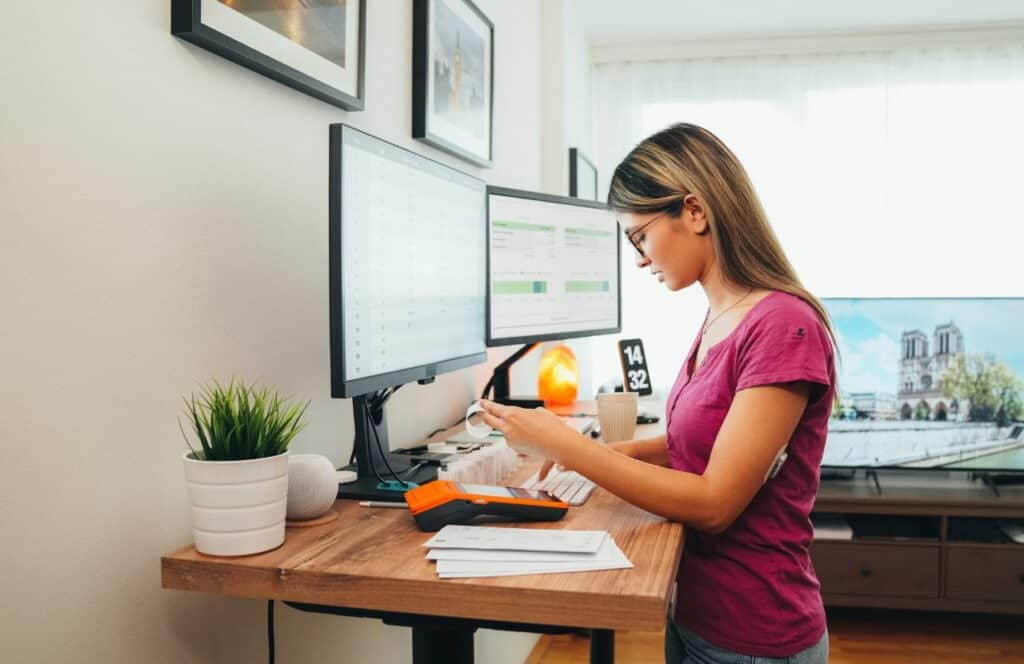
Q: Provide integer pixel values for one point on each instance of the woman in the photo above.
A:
(758, 381)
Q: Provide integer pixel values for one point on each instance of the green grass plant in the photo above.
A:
(240, 421)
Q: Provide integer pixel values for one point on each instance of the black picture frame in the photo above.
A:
(433, 121)
(582, 176)
(229, 33)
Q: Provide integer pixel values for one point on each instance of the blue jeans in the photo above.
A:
(684, 647)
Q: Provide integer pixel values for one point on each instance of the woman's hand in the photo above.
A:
(537, 431)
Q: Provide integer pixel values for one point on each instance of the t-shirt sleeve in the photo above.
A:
(786, 346)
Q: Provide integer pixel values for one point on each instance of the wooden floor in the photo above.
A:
(861, 636)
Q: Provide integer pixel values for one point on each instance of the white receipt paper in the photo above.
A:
(478, 429)
(517, 539)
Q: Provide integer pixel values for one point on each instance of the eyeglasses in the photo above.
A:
(634, 234)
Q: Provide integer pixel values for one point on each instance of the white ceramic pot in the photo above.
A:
(238, 507)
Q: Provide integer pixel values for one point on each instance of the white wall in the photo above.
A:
(164, 222)
(565, 123)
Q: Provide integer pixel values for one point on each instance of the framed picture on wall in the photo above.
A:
(453, 78)
(317, 47)
(582, 176)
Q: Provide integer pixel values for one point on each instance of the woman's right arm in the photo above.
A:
(650, 450)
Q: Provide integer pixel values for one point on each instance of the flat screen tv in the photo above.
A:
(928, 383)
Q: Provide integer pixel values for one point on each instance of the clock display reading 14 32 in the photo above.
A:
(635, 376)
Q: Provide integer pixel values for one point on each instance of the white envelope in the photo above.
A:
(470, 563)
(609, 552)
(517, 539)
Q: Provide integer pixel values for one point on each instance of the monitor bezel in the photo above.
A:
(494, 342)
(340, 387)
(934, 469)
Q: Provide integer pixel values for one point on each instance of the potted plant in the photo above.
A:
(237, 475)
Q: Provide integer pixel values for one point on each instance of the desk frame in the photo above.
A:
(437, 640)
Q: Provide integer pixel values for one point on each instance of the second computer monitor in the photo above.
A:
(553, 268)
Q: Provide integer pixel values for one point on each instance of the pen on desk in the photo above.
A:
(380, 503)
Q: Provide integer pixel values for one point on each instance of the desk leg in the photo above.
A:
(432, 645)
(602, 646)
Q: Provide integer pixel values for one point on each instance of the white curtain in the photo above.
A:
(895, 173)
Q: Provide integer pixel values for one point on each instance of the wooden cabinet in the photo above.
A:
(877, 569)
(985, 573)
(922, 543)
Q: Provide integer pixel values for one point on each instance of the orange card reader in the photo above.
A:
(441, 502)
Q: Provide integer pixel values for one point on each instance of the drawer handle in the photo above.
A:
(865, 572)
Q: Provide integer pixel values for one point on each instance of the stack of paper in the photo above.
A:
(475, 551)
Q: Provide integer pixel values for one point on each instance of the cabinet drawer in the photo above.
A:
(887, 570)
(987, 574)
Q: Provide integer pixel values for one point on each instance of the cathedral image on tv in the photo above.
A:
(928, 383)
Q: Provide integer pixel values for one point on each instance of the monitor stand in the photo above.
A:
(371, 438)
(500, 382)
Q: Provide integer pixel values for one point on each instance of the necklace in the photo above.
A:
(719, 314)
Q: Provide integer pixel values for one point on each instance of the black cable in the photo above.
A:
(378, 400)
(369, 453)
(383, 456)
(270, 631)
(373, 466)
(412, 471)
(487, 387)
(445, 428)
(374, 402)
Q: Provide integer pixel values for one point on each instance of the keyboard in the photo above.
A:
(581, 424)
(566, 485)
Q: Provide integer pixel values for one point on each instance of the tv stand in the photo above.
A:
(931, 541)
(994, 480)
(874, 475)
(833, 474)
(828, 474)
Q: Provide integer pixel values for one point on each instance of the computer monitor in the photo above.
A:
(928, 383)
(407, 280)
(553, 272)
(553, 268)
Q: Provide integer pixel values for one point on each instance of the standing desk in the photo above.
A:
(371, 563)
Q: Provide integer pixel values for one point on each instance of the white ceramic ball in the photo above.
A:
(312, 486)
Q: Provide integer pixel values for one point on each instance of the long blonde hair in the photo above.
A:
(665, 168)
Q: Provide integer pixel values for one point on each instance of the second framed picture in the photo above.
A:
(453, 78)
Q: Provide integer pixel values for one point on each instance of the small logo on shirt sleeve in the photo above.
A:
(801, 332)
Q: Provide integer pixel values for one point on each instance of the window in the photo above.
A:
(852, 155)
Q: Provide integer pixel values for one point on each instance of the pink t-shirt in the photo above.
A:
(752, 589)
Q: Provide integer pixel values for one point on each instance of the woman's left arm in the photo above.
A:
(760, 422)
